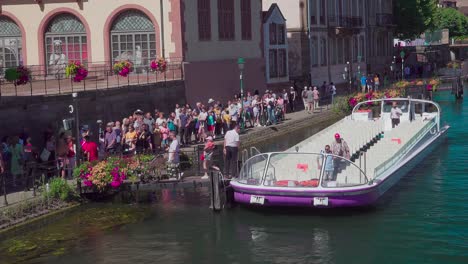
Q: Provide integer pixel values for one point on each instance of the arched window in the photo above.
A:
(65, 40)
(133, 38)
(10, 43)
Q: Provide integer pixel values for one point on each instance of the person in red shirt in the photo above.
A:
(90, 149)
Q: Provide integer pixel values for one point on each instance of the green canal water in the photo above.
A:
(423, 219)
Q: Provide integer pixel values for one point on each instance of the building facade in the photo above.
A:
(207, 36)
(275, 46)
(324, 35)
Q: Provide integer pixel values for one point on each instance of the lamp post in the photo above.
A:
(77, 129)
(240, 64)
(402, 55)
(347, 75)
(392, 67)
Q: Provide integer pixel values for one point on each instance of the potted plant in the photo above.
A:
(122, 68)
(19, 75)
(159, 65)
(77, 70)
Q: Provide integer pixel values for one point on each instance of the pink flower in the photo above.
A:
(88, 183)
(115, 184)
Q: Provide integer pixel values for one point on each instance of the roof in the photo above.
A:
(268, 13)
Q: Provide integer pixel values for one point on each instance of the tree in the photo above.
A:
(453, 20)
(413, 17)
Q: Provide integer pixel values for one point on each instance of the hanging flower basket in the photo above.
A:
(19, 75)
(77, 70)
(122, 68)
(159, 65)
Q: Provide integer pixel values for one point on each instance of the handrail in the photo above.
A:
(404, 150)
(356, 107)
(269, 154)
(254, 149)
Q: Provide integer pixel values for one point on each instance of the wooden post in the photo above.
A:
(215, 193)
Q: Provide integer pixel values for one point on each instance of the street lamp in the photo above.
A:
(392, 67)
(77, 129)
(240, 64)
(402, 55)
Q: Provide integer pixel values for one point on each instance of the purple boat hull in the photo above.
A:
(355, 197)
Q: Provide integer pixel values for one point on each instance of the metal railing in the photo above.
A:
(101, 76)
(405, 149)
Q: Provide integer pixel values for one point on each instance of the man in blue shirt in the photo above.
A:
(363, 83)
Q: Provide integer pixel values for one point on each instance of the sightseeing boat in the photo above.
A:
(380, 155)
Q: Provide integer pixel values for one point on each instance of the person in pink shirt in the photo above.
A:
(164, 130)
(208, 155)
(316, 98)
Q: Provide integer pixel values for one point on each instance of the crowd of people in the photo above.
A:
(158, 132)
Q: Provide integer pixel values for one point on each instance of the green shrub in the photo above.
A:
(341, 105)
(60, 189)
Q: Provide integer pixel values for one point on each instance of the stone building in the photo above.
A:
(206, 36)
(324, 35)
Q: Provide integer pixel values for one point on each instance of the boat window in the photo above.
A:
(293, 170)
(339, 172)
(253, 169)
(403, 105)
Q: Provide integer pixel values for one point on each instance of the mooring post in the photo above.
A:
(137, 196)
(5, 201)
(215, 197)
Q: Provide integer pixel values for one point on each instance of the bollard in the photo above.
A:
(215, 193)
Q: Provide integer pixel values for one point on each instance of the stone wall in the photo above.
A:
(38, 112)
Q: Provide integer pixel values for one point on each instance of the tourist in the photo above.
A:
(118, 133)
(256, 110)
(332, 92)
(143, 142)
(110, 140)
(286, 100)
(395, 114)
(363, 83)
(304, 98)
(182, 126)
(2, 165)
(164, 130)
(310, 100)
(231, 150)
(292, 99)
(316, 94)
(340, 147)
(71, 157)
(149, 121)
(376, 82)
(50, 147)
(157, 138)
(160, 120)
(270, 102)
(328, 166)
(90, 149)
(173, 154)
(211, 123)
(62, 152)
(202, 117)
(16, 150)
(208, 155)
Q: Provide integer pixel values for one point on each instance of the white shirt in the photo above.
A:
(174, 152)
(160, 121)
(395, 113)
(231, 139)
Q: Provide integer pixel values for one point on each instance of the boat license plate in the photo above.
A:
(320, 201)
(254, 199)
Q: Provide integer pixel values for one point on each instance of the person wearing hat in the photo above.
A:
(207, 155)
(339, 148)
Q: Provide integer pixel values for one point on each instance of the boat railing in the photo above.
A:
(409, 99)
(428, 128)
(293, 169)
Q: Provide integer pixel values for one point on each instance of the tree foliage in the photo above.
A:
(413, 17)
(453, 20)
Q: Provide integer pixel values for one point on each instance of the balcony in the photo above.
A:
(100, 77)
(384, 20)
(345, 21)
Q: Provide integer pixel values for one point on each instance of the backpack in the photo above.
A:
(304, 94)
